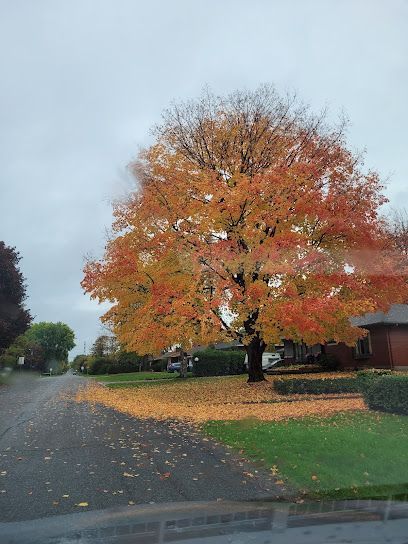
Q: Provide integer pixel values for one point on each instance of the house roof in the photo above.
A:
(228, 345)
(397, 315)
(167, 355)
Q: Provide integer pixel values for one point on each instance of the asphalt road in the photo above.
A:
(58, 456)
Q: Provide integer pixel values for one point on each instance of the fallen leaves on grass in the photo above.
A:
(212, 399)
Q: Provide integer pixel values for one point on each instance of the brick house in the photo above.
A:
(385, 346)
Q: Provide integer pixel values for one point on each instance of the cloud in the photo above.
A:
(83, 81)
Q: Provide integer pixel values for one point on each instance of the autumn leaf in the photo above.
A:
(82, 504)
(229, 399)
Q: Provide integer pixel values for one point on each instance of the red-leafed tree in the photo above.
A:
(252, 220)
(14, 317)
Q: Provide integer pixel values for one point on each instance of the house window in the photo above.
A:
(363, 347)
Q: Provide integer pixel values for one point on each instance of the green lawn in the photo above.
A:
(347, 455)
(136, 376)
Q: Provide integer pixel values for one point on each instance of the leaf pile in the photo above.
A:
(212, 399)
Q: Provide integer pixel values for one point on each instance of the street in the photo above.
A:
(59, 456)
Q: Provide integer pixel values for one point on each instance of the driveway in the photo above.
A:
(58, 456)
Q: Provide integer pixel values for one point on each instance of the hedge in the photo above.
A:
(328, 361)
(98, 365)
(317, 387)
(213, 362)
(159, 366)
(125, 362)
(387, 394)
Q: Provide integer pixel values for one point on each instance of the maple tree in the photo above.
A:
(252, 220)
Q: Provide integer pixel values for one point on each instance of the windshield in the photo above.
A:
(203, 256)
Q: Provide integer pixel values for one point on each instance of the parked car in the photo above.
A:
(269, 360)
(175, 367)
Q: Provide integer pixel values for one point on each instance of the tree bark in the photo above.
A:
(184, 365)
(254, 351)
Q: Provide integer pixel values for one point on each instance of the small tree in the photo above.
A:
(252, 221)
(105, 345)
(79, 361)
(56, 339)
(14, 318)
(23, 346)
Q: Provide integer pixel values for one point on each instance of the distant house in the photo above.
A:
(174, 355)
(168, 357)
(385, 346)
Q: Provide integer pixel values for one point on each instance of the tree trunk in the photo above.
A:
(254, 351)
(184, 365)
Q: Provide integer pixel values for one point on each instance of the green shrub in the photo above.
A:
(212, 362)
(387, 394)
(99, 365)
(316, 387)
(159, 366)
(126, 361)
(328, 361)
(118, 364)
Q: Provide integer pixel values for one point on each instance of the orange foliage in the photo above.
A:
(291, 249)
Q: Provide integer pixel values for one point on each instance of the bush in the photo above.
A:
(159, 366)
(126, 361)
(121, 363)
(328, 361)
(99, 365)
(317, 387)
(212, 362)
(387, 394)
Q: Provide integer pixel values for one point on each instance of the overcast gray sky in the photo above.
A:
(82, 81)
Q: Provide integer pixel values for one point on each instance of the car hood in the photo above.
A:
(221, 522)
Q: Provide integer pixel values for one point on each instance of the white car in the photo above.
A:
(269, 360)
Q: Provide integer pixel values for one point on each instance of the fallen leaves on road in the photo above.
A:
(83, 504)
(215, 399)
